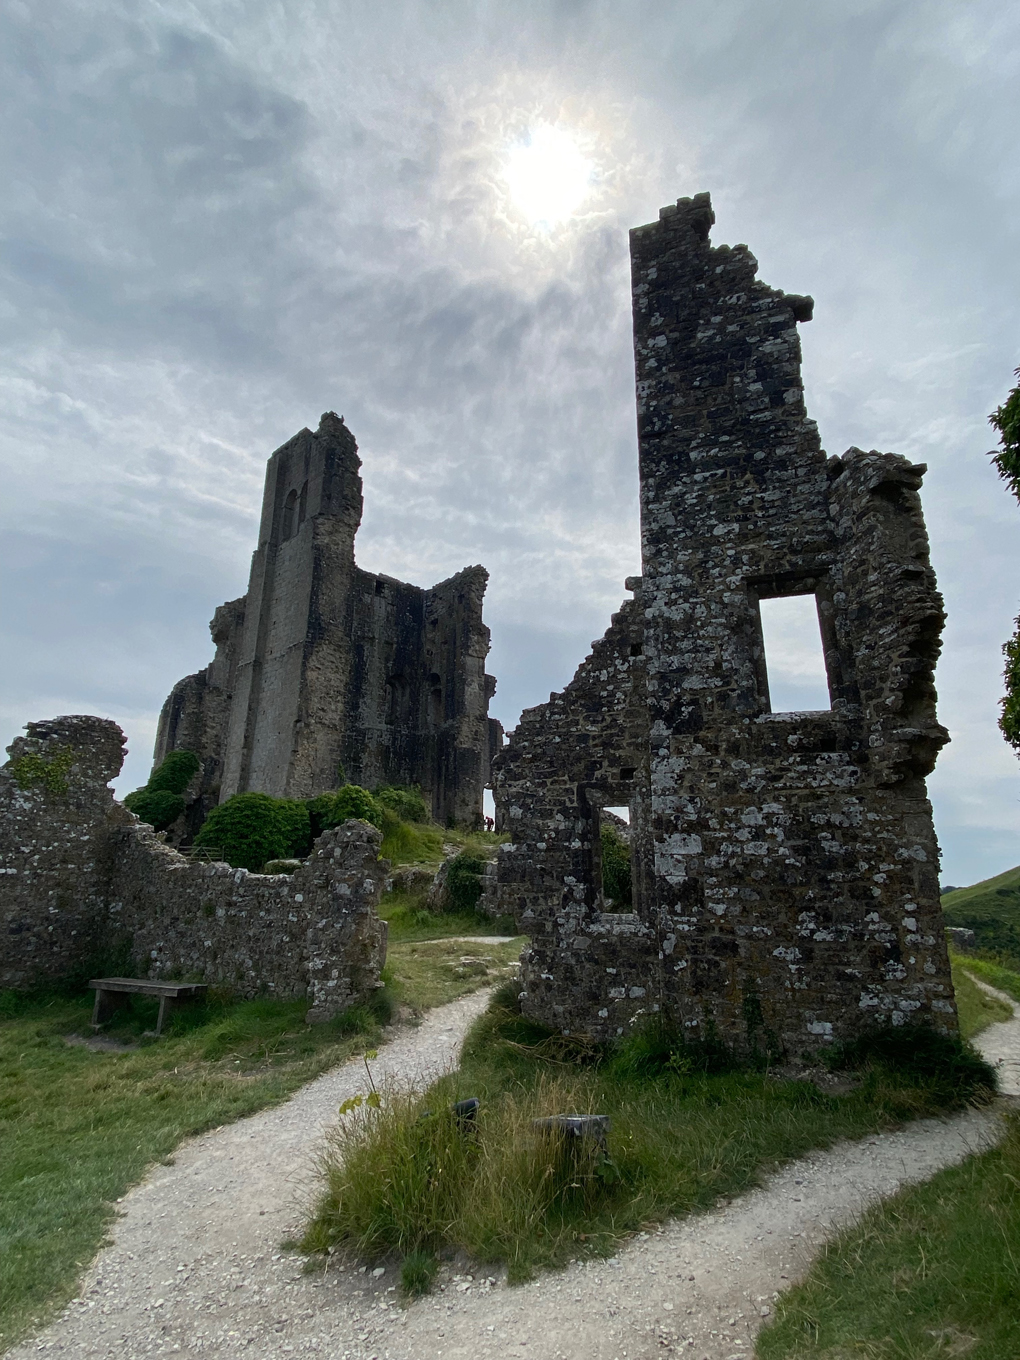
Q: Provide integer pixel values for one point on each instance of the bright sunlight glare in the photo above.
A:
(548, 176)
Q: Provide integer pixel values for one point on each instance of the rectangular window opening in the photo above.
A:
(794, 658)
(614, 859)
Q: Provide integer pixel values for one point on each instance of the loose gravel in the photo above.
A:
(195, 1268)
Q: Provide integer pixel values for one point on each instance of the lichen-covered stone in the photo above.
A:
(81, 879)
(785, 867)
(322, 667)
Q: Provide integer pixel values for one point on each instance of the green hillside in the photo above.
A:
(991, 909)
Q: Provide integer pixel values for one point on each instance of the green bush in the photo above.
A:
(159, 801)
(175, 772)
(249, 829)
(159, 807)
(297, 827)
(616, 882)
(330, 809)
(464, 883)
(407, 803)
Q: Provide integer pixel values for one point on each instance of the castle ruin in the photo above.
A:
(324, 671)
(784, 864)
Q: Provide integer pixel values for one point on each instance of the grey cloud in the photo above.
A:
(220, 225)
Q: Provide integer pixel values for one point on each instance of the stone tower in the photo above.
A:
(323, 668)
(785, 866)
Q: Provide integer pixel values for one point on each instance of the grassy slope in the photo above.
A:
(431, 972)
(678, 1140)
(79, 1127)
(992, 910)
(976, 1009)
(935, 1271)
(997, 897)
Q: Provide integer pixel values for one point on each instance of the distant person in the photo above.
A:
(489, 823)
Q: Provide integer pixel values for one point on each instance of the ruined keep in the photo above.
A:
(323, 667)
(784, 865)
(86, 886)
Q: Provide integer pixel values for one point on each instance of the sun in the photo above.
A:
(548, 176)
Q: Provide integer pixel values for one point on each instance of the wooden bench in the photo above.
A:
(113, 994)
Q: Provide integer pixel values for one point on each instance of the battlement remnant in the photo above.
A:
(322, 666)
(784, 865)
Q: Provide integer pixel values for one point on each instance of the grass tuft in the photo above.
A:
(402, 1180)
(418, 1271)
(943, 1065)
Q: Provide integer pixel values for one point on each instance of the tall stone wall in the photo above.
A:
(785, 864)
(83, 882)
(323, 666)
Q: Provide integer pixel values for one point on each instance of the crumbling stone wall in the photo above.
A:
(323, 666)
(81, 878)
(785, 864)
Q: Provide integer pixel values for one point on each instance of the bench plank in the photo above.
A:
(146, 987)
(112, 994)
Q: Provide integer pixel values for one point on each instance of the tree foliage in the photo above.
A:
(159, 802)
(616, 881)
(1006, 419)
(251, 828)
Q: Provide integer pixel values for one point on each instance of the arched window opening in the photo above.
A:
(287, 527)
(396, 700)
(302, 505)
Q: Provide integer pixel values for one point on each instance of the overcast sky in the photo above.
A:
(222, 219)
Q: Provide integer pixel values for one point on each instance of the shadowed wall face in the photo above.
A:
(785, 864)
(88, 889)
(324, 671)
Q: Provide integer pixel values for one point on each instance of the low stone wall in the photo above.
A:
(81, 877)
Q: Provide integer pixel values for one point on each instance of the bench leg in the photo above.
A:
(166, 1006)
(107, 1005)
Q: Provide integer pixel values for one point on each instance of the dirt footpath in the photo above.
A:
(195, 1268)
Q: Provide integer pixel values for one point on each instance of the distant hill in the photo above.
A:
(991, 909)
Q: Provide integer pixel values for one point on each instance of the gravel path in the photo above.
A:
(1000, 1044)
(195, 1269)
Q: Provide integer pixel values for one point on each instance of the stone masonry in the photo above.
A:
(785, 866)
(323, 667)
(84, 885)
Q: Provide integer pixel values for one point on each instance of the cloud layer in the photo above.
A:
(224, 219)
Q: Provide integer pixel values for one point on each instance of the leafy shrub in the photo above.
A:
(159, 807)
(616, 881)
(159, 801)
(464, 883)
(250, 829)
(330, 809)
(175, 772)
(407, 803)
(297, 827)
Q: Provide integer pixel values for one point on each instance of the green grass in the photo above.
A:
(975, 1008)
(1006, 979)
(932, 1272)
(79, 1127)
(428, 973)
(992, 910)
(409, 919)
(404, 1182)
